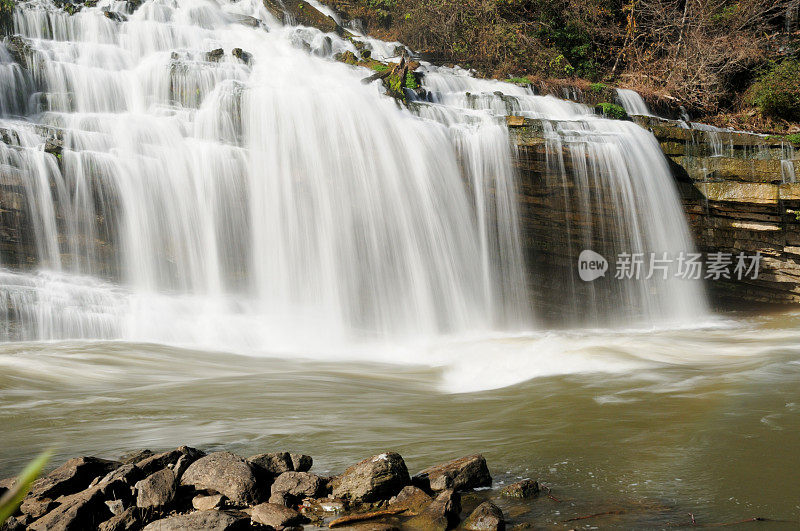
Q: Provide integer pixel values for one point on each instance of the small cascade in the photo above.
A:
(632, 102)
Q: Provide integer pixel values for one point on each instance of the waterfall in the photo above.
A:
(179, 191)
(632, 102)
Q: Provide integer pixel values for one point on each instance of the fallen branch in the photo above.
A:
(694, 523)
(364, 516)
(595, 515)
(550, 495)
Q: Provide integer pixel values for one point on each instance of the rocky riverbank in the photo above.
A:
(186, 488)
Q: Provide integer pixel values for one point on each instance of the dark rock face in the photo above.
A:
(460, 474)
(128, 474)
(155, 462)
(157, 490)
(208, 520)
(443, 513)
(521, 489)
(301, 462)
(214, 56)
(291, 487)
(14, 524)
(36, 507)
(71, 477)
(243, 56)
(85, 510)
(376, 478)
(225, 473)
(487, 516)
(274, 464)
(412, 499)
(303, 13)
(125, 521)
(276, 516)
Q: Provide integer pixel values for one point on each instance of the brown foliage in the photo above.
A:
(698, 50)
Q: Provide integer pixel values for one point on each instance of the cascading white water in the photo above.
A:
(632, 102)
(271, 200)
(615, 167)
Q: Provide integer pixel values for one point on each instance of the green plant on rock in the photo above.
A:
(411, 81)
(776, 92)
(598, 87)
(794, 139)
(612, 110)
(518, 80)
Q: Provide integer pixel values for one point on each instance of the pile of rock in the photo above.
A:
(188, 489)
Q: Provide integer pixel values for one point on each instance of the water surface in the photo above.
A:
(654, 423)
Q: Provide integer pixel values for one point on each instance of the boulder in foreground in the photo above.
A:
(443, 513)
(225, 473)
(486, 517)
(207, 520)
(376, 478)
(521, 489)
(461, 474)
(276, 516)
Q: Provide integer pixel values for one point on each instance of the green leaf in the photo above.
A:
(13, 498)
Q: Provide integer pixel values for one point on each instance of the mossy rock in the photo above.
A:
(612, 110)
(303, 13)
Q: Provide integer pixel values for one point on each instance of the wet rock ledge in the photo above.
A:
(186, 488)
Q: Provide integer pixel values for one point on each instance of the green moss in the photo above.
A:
(379, 67)
(794, 139)
(612, 110)
(598, 87)
(519, 80)
(411, 81)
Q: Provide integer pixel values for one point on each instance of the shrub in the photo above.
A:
(777, 90)
(612, 110)
(597, 87)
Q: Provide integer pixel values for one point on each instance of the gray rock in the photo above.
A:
(276, 516)
(135, 457)
(486, 517)
(14, 524)
(443, 513)
(243, 56)
(206, 503)
(301, 462)
(182, 464)
(157, 490)
(247, 20)
(214, 56)
(115, 506)
(169, 459)
(73, 476)
(460, 474)
(376, 478)
(291, 487)
(85, 510)
(521, 489)
(225, 473)
(36, 507)
(274, 464)
(412, 499)
(207, 520)
(127, 473)
(125, 521)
